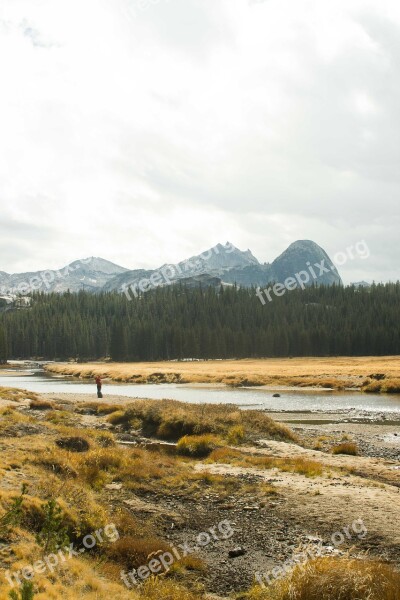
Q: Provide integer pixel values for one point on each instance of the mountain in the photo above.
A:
(89, 274)
(215, 262)
(223, 264)
(303, 258)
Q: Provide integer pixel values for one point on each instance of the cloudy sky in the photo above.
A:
(145, 131)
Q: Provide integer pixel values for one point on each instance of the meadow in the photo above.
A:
(369, 374)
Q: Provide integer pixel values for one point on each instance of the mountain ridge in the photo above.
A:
(223, 261)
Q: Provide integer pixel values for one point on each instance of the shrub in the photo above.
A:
(170, 420)
(105, 439)
(334, 579)
(13, 514)
(117, 418)
(53, 533)
(57, 462)
(26, 592)
(346, 448)
(371, 387)
(392, 386)
(73, 444)
(161, 589)
(197, 446)
(61, 417)
(133, 552)
(235, 435)
(41, 405)
(100, 408)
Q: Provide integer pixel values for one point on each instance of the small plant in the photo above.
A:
(13, 515)
(53, 533)
(197, 446)
(346, 448)
(371, 387)
(330, 578)
(26, 592)
(41, 405)
(392, 386)
(235, 435)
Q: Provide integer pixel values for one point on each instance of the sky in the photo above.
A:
(146, 131)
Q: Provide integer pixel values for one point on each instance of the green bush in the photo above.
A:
(26, 592)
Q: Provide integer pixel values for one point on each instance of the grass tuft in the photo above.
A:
(197, 446)
(41, 405)
(349, 448)
(334, 579)
(172, 420)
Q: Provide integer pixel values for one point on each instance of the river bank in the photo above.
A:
(369, 374)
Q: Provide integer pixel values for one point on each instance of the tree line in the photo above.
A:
(178, 322)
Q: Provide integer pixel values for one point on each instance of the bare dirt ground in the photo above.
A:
(337, 497)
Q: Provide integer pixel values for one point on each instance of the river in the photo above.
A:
(261, 398)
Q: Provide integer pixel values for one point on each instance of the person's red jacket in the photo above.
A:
(98, 380)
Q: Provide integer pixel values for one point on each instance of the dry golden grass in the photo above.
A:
(334, 579)
(16, 395)
(198, 446)
(158, 589)
(132, 551)
(140, 471)
(85, 509)
(10, 417)
(335, 372)
(100, 408)
(390, 386)
(41, 404)
(77, 481)
(170, 420)
(309, 468)
(349, 448)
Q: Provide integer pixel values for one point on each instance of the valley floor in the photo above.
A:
(274, 495)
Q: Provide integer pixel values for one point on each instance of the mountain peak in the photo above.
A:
(98, 265)
(303, 255)
(223, 261)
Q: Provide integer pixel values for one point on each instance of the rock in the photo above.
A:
(74, 444)
(113, 486)
(313, 539)
(87, 411)
(276, 396)
(139, 506)
(239, 551)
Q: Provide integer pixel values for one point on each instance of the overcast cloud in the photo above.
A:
(145, 132)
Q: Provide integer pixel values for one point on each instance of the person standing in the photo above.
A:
(99, 384)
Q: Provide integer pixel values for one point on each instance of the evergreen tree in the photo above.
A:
(3, 347)
(178, 322)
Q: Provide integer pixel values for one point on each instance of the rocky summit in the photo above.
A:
(221, 264)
